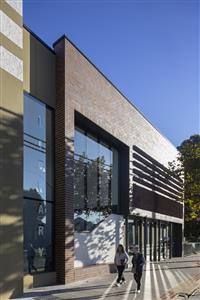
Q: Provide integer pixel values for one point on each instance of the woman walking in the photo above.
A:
(121, 258)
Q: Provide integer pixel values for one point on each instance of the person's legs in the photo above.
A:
(120, 270)
(119, 274)
(122, 276)
(30, 264)
(139, 276)
(136, 278)
(29, 267)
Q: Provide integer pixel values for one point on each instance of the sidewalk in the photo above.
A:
(163, 280)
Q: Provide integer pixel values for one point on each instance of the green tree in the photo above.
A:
(189, 157)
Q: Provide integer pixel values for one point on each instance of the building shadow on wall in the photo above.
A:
(97, 246)
(11, 233)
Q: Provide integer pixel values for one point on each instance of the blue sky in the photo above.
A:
(148, 49)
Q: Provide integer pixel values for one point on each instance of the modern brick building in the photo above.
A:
(81, 168)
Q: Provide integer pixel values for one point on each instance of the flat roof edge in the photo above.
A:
(112, 84)
(38, 38)
(74, 45)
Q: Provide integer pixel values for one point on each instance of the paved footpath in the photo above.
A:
(163, 280)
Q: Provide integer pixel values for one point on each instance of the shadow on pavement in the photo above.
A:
(111, 294)
(61, 291)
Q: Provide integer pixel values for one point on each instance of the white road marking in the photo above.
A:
(128, 290)
(172, 278)
(178, 275)
(147, 285)
(155, 282)
(162, 278)
(184, 276)
(108, 290)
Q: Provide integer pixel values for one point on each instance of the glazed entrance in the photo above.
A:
(154, 237)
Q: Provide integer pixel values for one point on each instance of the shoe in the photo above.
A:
(123, 282)
(138, 291)
(117, 284)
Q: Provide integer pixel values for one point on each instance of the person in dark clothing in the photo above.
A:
(31, 258)
(138, 262)
(121, 258)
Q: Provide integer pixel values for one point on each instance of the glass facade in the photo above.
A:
(38, 186)
(152, 236)
(93, 181)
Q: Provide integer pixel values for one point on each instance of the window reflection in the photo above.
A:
(80, 143)
(38, 158)
(92, 148)
(92, 184)
(38, 186)
(34, 173)
(37, 236)
(79, 182)
(34, 118)
(105, 188)
(87, 220)
(93, 180)
(105, 155)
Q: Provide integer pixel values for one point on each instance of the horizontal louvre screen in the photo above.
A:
(153, 188)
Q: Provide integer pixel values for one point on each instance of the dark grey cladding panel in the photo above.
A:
(151, 201)
(86, 124)
(154, 188)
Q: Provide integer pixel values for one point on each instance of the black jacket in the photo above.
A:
(138, 262)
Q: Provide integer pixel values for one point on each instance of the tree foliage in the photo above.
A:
(190, 159)
(188, 163)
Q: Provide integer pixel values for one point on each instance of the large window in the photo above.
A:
(38, 186)
(94, 187)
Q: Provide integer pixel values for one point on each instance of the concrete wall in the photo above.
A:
(99, 246)
(32, 69)
(11, 149)
(39, 69)
(39, 81)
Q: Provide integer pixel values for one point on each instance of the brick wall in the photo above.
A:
(64, 212)
(92, 95)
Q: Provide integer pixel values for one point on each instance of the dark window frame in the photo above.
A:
(101, 142)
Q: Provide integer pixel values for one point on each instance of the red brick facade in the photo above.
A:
(64, 212)
(84, 89)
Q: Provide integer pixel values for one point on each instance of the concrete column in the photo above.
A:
(171, 240)
(145, 237)
(155, 242)
(126, 234)
(150, 239)
(11, 148)
(159, 248)
(140, 234)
